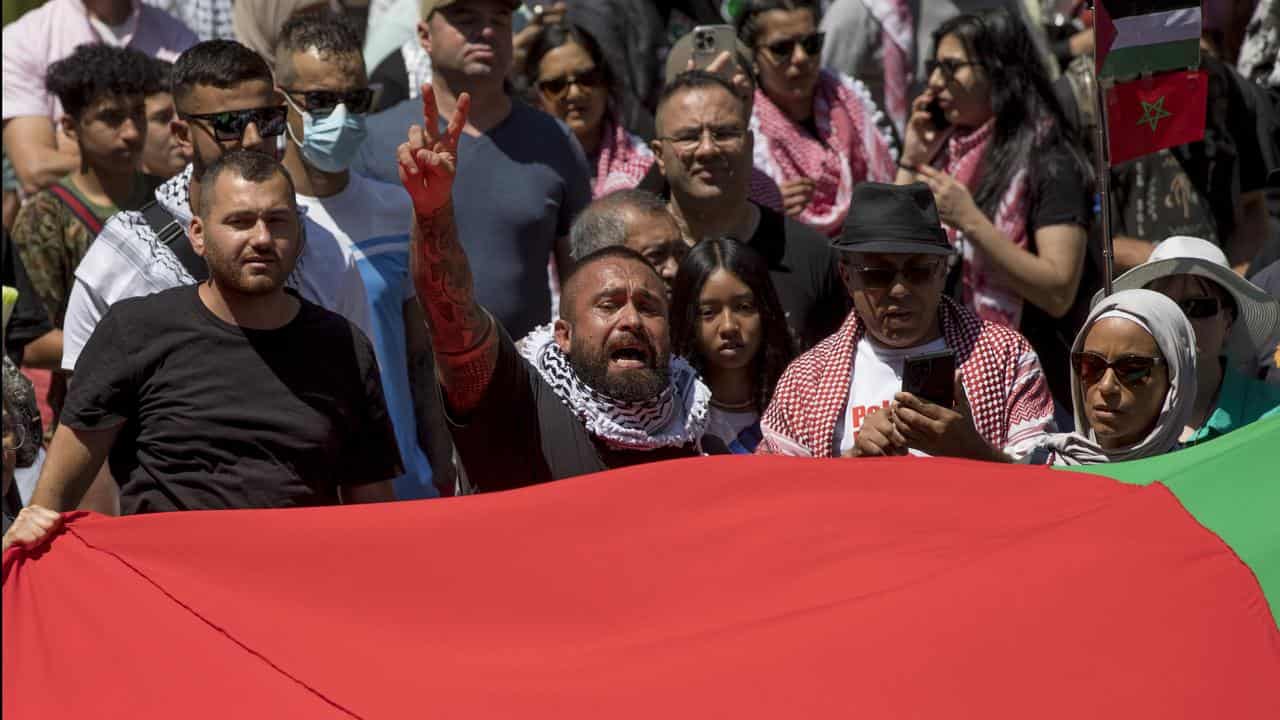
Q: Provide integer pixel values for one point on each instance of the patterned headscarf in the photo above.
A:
(674, 418)
(624, 159)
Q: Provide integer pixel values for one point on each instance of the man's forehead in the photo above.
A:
(695, 106)
(112, 101)
(327, 70)
(241, 96)
(233, 193)
(613, 274)
(656, 225)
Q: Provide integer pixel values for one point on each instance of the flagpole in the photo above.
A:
(1103, 161)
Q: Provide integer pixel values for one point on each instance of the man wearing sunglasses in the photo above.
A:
(225, 101)
(522, 178)
(842, 398)
(321, 73)
(1235, 322)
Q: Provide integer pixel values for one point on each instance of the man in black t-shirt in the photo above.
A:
(234, 393)
(709, 180)
(595, 390)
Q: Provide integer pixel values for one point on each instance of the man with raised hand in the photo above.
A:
(597, 390)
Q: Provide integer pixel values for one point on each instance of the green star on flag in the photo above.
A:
(1153, 113)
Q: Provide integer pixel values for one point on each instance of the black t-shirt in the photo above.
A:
(1061, 194)
(28, 320)
(803, 268)
(218, 416)
(522, 434)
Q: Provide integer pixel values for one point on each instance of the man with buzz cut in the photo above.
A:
(232, 393)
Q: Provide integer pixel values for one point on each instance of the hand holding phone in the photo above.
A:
(931, 377)
(926, 132)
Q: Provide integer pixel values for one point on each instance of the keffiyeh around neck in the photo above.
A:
(1164, 320)
(675, 417)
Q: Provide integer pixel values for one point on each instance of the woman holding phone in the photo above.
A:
(817, 132)
(989, 138)
(727, 322)
(571, 81)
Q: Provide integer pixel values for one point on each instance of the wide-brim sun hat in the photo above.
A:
(1257, 322)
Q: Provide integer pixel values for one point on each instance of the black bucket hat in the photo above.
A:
(886, 218)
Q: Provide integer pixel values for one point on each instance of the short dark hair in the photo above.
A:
(328, 35)
(92, 72)
(697, 80)
(603, 223)
(778, 348)
(747, 22)
(248, 165)
(216, 63)
(159, 74)
(568, 292)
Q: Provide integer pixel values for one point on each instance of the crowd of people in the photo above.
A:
(276, 254)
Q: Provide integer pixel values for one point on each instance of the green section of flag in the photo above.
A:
(1231, 485)
(1133, 61)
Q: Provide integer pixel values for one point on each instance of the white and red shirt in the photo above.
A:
(871, 389)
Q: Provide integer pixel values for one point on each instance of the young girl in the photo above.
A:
(727, 322)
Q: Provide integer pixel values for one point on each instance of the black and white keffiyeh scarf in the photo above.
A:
(675, 417)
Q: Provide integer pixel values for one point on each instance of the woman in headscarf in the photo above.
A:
(1133, 382)
(257, 23)
(817, 132)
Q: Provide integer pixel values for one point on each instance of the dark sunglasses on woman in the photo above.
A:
(783, 50)
(557, 86)
(948, 66)
(1131, 370)
(323, 102)
(1199, 308)
(229, 125)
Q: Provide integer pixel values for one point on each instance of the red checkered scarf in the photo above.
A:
(986, 289)
(849, 149)
(1007, 393)
(624, 159)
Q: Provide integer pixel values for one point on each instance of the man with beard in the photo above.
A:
(210, 396)
(596, 390)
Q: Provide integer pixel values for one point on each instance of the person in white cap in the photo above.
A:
(1234, 321)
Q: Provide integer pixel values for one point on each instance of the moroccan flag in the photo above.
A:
(725, 587)
(1153, 113)
(1145, 36)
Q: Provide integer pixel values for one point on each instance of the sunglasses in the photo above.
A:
(323, 102)
(948, 66)
(229, 125)
(783, 50)
(557, 86)
(1199, 308)
(883, 277)
(1130, 370)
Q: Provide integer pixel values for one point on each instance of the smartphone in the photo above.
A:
(937, 116)
(931, 376)
(711, 40)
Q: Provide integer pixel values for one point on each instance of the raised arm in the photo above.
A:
(462, 332)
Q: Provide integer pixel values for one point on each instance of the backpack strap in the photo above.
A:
(77, 208)
(170, 232)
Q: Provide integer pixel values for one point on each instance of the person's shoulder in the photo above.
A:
(154, 310)
(539, 128)
(32, 24)
(173, 30)
(331, 330)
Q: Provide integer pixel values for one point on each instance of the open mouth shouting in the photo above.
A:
(631, 354)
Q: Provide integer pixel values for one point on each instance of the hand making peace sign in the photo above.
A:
(429, 160)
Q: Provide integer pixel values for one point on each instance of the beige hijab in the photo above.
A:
(257, 23)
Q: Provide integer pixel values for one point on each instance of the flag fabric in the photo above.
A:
(743, 587)
(1145, 36)
(1153, 113)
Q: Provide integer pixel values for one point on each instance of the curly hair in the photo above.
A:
(92, 72)
(778, 348)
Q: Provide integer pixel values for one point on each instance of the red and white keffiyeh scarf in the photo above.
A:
(623, 161)
(1008, 395)
(985, 287)
(850, 149)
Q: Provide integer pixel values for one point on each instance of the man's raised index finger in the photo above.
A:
(460, 113)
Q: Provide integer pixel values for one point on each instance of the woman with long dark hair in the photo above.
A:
(989, 138)
(570, 79)
(727, 322)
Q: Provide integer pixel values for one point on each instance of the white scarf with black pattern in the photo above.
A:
(675, 417)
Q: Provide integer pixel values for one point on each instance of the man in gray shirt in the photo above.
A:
(522, 177)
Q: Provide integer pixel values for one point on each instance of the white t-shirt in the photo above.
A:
(877, 375)
(371, 220)
(126, 261)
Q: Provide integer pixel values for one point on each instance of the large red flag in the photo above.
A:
(1156, 112)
